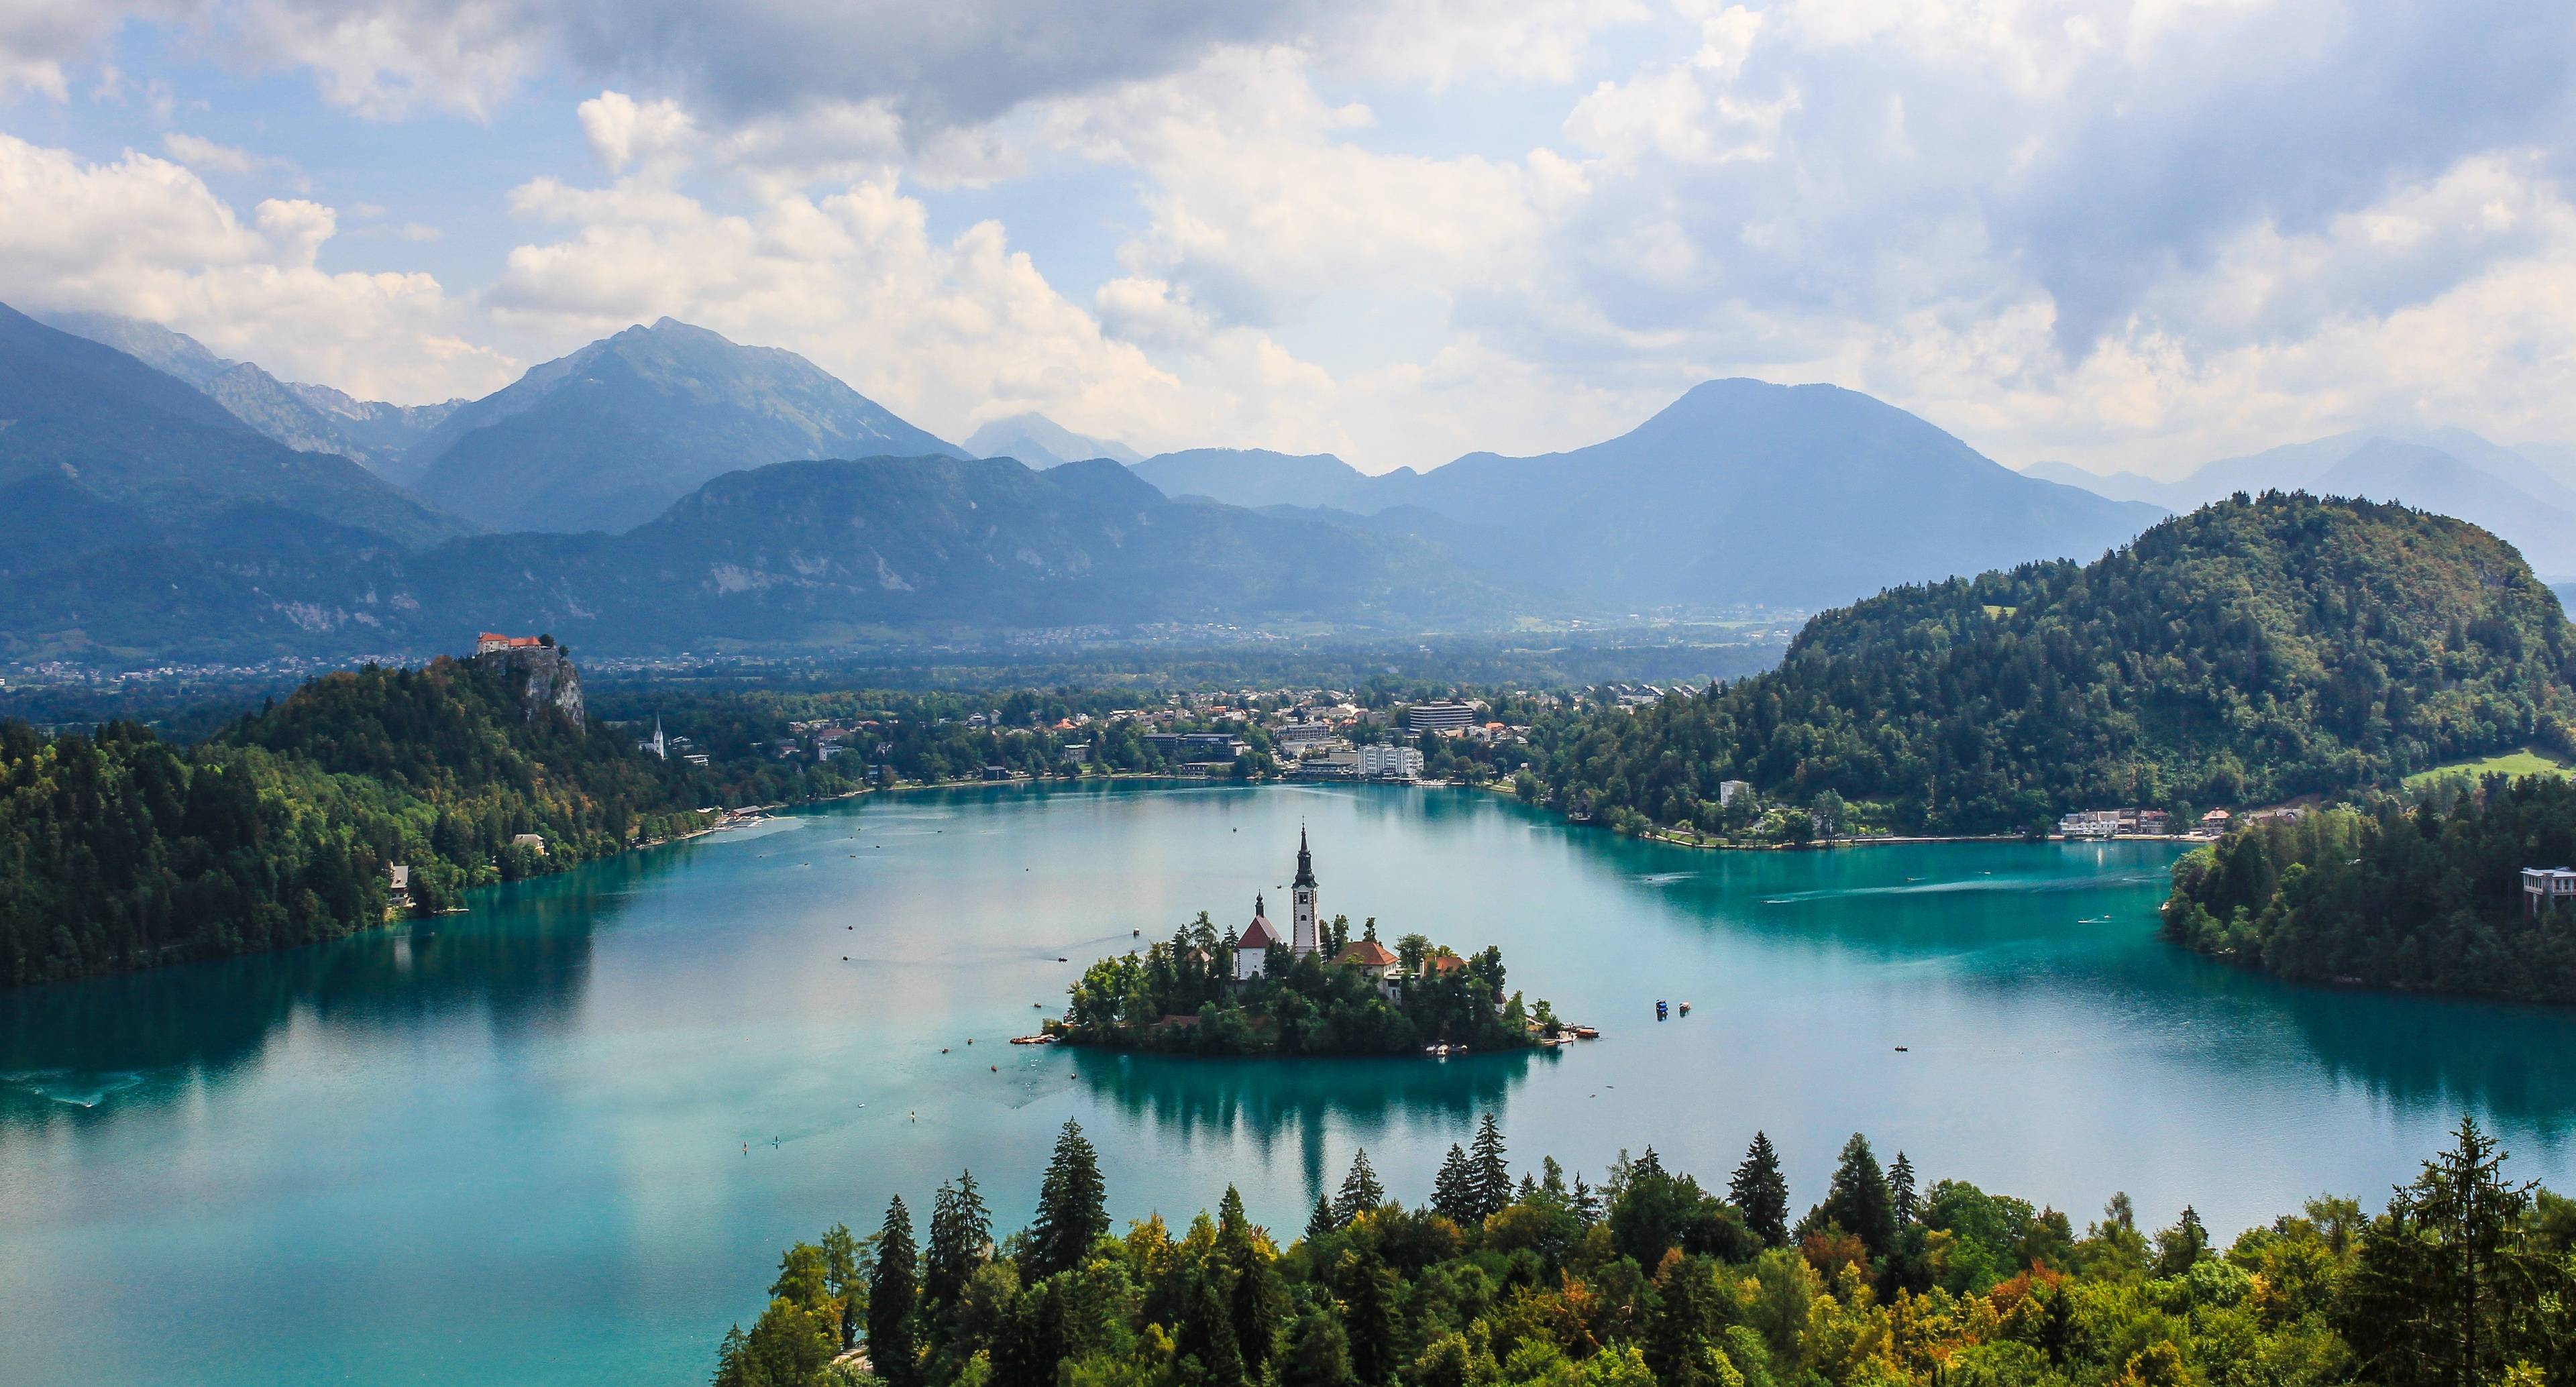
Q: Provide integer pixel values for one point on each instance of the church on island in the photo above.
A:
(1305, 935)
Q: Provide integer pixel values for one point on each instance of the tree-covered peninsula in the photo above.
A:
(1348, 997)
(119, 850)
(1653, 1278)
(2252, 650)
(2390, 895)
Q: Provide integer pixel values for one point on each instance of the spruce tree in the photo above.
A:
(1323, 1220)
(2449, 1286)
(1761, 1193)
(961, 1231)
(1493, 1178)
(1900, 1192)
(1258, 1303)
(1361, 1193)
(1858, 1199)
(893, 1293)
(1586, 1202)
(1073, 1210)
(1207, 1332)
(1453, 1190)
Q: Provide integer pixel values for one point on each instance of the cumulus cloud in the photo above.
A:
(146, 238)
(2125, 231)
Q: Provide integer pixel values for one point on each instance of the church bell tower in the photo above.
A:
(1303, 938)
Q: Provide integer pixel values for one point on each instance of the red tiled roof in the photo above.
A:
(1368, 953)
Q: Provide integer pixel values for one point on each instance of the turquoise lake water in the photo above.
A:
(561, 1139)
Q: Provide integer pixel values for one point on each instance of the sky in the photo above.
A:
(2120, 233)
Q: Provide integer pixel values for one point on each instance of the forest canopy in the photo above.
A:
(2250, 651)
(1655, 1278)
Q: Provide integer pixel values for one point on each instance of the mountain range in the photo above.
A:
(2450, 471)
(1739, 493)
(609, 436)
(99, 450)
(308, 418)
(667, 489)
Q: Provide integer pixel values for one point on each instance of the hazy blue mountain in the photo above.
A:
(143, 440)
(610, 436)
(2450, 471)
(2118, 486)
(309, 418)
(389, 430)
(1260, 477)
(2430, 479)
(1739, 493)
(1042, 442)
(803, 555)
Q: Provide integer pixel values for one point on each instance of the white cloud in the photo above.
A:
(624, 131)
(146, 238)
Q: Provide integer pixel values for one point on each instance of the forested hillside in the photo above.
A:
(2392, 897)
(121, 851)
(2252, 650)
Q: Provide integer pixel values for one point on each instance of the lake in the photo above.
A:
(562, 1139)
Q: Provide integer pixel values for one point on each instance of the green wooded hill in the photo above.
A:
(2424, 898)
(2255, 649)
(121, 851)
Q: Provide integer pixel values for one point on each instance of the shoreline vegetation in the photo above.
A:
(1349, 997)
(2467, 1277)
(2414, 896)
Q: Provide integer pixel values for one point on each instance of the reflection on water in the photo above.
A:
(1265, 1103)
(150, 1035)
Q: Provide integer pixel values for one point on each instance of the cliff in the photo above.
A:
(541, 675)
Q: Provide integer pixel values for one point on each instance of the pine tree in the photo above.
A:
(1207, 1332)
(1493, 1178)
(1761, 1193)
(1361, 1193)
(1586, 1202)
(961, 1235)
(1073, 1210)
(1323, 1220)
(2448, 1287)
(1900, 1192)
(893, 1294)
(1453, 1190)
(1858, 1198)
(1257, 1302)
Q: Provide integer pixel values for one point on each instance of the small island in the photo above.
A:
(1316, 992)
